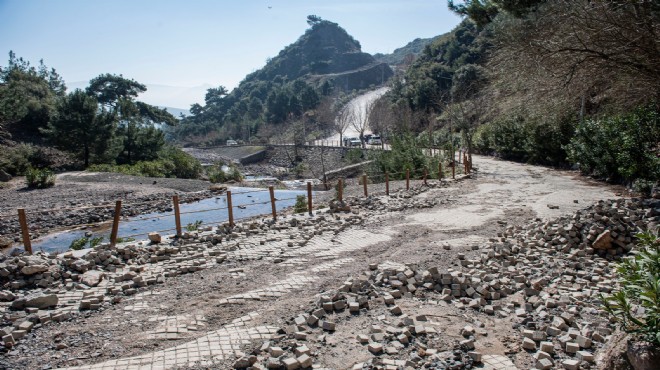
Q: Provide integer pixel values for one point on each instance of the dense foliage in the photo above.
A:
(170, 162)
(407, 153)
(636, 305)
(622, 147)
(558, 83)
(103, 125)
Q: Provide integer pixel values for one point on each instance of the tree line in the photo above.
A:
(102, 124)
(562, 83)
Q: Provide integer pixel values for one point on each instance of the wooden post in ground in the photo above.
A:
(364, 184)
(115, 224)
(22, 219)
(407, 180)
(272, 202)
(177, 215)
(230, 209)
(453, 169)
(439, 171)
(309, 197)
(340, 190)
(387, 184)
(425, 175)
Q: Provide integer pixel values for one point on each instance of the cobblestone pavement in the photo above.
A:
(216, 345)
(224, 343)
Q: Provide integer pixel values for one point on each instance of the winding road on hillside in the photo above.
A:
(357, 104)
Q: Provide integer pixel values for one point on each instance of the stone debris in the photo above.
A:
(550, 271)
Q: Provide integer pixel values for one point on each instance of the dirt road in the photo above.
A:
(213, 316)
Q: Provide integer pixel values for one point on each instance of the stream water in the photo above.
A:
(246, 202)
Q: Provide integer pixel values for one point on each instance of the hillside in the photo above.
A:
(408, 53)
(323, 62)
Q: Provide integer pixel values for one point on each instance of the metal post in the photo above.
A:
(177, 215)
(24, 230)
(115, 224)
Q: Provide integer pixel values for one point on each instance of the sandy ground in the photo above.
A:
(500, 193)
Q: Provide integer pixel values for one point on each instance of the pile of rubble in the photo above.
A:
(546, 277)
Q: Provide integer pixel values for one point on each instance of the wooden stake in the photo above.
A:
(407, 179)
(453, 170)
(115, 224)
(425, 175)
(309, 197)
(439, 170)
(272, 202)
(24, 230)
(387, 184)
(340, 191)
(177, 215)
(230, 209)
(364, 184)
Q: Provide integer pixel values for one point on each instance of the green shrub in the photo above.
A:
(301, 204)
(85, 242)
(406, 154)
(618, 148)
(636, 305)
(39, 178)
(216, 174)
(194, 225)
(16, 160)
(182, 164)
(354, 156)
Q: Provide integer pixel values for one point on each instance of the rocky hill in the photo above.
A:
(324, 61)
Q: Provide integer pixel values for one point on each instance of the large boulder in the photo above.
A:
(5, 242)
(92, 278)
(34, 269)
(4, 176)
(603, 241)
(155, 238)
(6, 296)
(41, 300)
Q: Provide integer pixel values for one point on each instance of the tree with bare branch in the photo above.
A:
(360, 121)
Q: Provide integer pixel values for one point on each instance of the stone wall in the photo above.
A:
(310, 157)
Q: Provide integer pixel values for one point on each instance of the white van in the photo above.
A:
(375, 140)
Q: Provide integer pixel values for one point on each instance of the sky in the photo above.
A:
(180, 48)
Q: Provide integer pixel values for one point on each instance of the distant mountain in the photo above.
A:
(323, 61)
(326, 52)
(407, 54)
(163, 95)
(176, 112)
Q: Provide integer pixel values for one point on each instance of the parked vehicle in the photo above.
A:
(374, 140)
(232, 142)
(352, 141)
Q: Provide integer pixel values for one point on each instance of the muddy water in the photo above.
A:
(246, 202)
